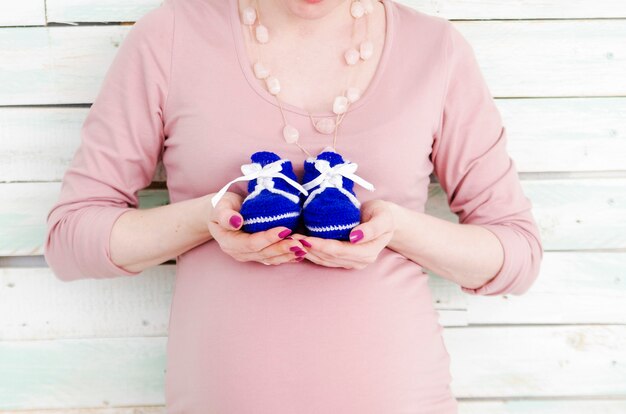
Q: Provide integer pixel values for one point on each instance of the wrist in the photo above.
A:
(404, 227)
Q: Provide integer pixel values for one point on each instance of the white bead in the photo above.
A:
(356, 9)
(291, 134)
(340, 104)
(262, 35)
(352, 56)
(272, 85)
(368, 6)
(366, 49)
(353, 94)
(325, 125)
(249, 15)
(260, 71)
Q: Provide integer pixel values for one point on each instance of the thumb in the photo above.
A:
(226, 215)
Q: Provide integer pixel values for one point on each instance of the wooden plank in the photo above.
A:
(35, 305)
(22, 13)
(543, 406)
(572, 287)
(66, 65)
(566, 212)
(537, 361)
(587, 133)
(576, 58)
(63, 11)
(504, 362)
(520, 9)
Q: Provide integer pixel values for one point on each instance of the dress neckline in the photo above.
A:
(246, 65)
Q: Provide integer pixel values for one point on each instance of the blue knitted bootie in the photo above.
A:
(331, 208)
(273, 198)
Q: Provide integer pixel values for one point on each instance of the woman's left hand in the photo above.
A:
(367, 240)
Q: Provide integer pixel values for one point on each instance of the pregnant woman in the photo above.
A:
(281, 321)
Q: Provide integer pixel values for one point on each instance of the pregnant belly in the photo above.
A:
(301, 338)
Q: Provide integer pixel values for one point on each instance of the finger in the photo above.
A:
(317, 259)
(258, 241)
(228, 218)
(281, 259)
(372, 227)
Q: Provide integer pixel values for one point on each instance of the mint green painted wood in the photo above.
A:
(544, 406)
(55, 65)
(82, 373)
(487, 362)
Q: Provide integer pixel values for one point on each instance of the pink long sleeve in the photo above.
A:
(121, 143)
(480, 179)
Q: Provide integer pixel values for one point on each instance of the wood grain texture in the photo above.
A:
(587, 134)
(66, 65)
(81, 11)
(503, 362)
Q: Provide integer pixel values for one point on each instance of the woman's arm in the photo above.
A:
(467, 254)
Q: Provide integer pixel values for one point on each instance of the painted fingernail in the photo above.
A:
(235, 221)
(300, 253)
(289, 238)
(299, 259)
(284, 233)
(355, 236)
(305, 243)
(295, 249)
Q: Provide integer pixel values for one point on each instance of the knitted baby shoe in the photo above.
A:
(331, 208)
(273, 198)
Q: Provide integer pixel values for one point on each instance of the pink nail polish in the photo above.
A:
(235, 221)
(305, 243)
(284, 233)
(300, 253)
(355, 236)
(295, 249)
(299, 259)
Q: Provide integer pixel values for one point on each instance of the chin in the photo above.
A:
(310, 9)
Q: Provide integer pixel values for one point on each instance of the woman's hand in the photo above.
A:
(367, 240)
(270, 247)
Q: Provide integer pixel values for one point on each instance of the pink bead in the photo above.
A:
(366, 49)
(325, 125)
(353, 94)
(356, 9)
(260, 71)
(272, 85)
(291, 134)
(352, 56)
(262, 34)
(368, 6)
(249, 15)
(340, 105)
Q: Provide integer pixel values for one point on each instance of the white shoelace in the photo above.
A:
(264, 177)
(332, 177)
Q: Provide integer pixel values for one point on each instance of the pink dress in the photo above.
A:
(295, 338)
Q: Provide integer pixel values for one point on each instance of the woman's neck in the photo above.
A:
(327, 20)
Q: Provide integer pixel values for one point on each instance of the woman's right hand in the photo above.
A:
(270, 247)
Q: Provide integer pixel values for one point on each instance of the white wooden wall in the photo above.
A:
(558, 71)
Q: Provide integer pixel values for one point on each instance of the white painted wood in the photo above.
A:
(505, 362)
(566, 212)
(572, 287)
(587, 133)
(56, 65)
(63, 11)
(38, 144)
(539, 361)
(22, 13)
(520, 9)
(544, 406)
(35, 305)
